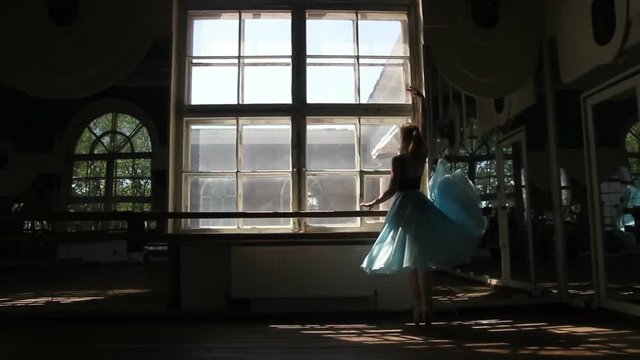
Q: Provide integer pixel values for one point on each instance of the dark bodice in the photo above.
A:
(407, 183)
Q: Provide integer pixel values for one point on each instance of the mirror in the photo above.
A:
(617, 155)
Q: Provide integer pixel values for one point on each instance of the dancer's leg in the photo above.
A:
(414, 280)
(426, 294)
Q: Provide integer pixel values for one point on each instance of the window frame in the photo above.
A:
(241, 59)
(237, 173)
(359, 170)
(298, 110)
(109, 198)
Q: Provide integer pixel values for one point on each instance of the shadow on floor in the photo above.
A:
(522, 332)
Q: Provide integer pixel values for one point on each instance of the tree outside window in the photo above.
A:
(112, 166)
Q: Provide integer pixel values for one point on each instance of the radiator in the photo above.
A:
(299, 272)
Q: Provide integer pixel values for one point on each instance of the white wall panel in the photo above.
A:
(299, 271)
(578, 53)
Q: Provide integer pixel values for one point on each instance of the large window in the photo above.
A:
(112, 166)
(288, 111)
(241, 57)
(348, 159)
(238, 164)
(362, 57)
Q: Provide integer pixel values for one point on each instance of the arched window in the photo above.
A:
(112, 166)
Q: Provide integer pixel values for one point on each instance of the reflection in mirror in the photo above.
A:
(616, 142)
(516, 214)
(476, 159)
(578, 248)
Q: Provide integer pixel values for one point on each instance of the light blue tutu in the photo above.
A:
(429, 233)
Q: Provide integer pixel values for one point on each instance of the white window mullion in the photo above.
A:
(359, 166)
(239, 156)
(239, 197)
(298, 154)
(357, 58)
(240, 89)
(298, 120)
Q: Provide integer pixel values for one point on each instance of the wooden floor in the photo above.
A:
(124, 290)
(522, 332)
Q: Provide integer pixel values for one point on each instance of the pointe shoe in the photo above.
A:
(417, 316)
(427, 316)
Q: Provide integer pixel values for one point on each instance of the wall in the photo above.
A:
(63, 61)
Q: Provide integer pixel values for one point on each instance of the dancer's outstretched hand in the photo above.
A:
(414, 91)
(367, 206)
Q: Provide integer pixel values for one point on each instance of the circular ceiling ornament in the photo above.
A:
(489, 61)
(580, 48)
(69, 48)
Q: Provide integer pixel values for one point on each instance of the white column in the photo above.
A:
(554, 173)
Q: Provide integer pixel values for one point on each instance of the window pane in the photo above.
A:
(95, 187)
(374, 186)
(97, 168)
(331, 146)
(126, 124)
(332, 192)
(379, 143)
(79, 188)
(80, 207)
(632, 139)
(212, 147)
(107, 139)
(124, 187)
(486, 179)
(384, 81)
(102, 124)
(80, 168)
(120, 143)
(265, 146)
(331, 81)
(144, 186)
(266, 33)
(136, 206)
(463, 167)
(133, 167)
(330, 33)
(101, 146)
(132, 187)
(212, 194)
(634, 169)
(88, 178)
(215, 35)
(382, 34)
(214, 82)
(84, 143)
(141, 141)
(267, 81)
(266, 193)
(132, 177)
